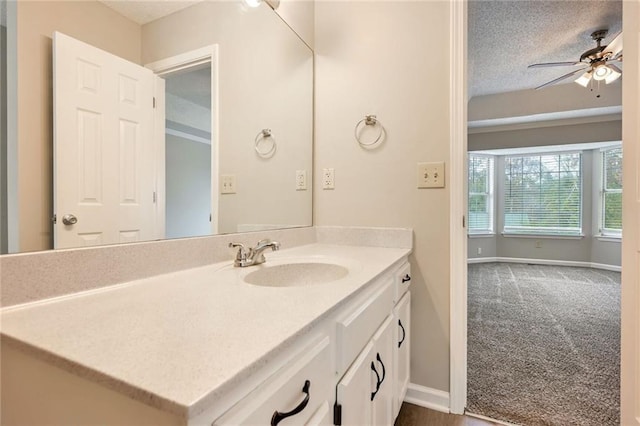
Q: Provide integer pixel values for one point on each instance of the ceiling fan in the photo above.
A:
(598, 62)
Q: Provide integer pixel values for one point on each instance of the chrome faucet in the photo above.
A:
(255, 255)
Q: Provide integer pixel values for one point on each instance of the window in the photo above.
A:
(543, 194)
(611, 214)
(480, 194)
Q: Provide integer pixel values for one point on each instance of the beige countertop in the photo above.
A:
(179, 341)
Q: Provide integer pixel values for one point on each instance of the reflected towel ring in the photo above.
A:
(263, 135)
(369, 120)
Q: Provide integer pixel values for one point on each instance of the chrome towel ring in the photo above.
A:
(368, 120)
(263, 137)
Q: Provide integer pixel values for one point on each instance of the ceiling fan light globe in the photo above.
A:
(584, 79)
(613, 76)
(601, 72)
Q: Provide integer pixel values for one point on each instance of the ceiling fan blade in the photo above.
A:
(615, 47)
(554, 64)
(572, 73)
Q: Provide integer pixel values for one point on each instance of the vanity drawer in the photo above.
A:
(402, 281)
(287, 390)
(355, 330)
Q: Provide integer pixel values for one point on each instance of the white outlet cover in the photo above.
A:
(301, 180)
(328, 179)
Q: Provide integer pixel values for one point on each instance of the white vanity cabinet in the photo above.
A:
(298, 394)
(373, 387)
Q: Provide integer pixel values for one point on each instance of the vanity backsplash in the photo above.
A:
(31, 277)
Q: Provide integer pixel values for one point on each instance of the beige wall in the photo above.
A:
(601, 131)
(558, 98)
(90, 22)
(630, 360)
(265, 81)
(377, 58)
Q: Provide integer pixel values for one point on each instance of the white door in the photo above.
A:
(104, 170)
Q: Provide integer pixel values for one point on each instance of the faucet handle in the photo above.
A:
(242, 253)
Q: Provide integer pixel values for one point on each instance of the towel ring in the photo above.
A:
(262, 136)
(369, 120)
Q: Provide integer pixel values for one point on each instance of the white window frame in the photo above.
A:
(606, 232)
(541, 232)
(490, 194)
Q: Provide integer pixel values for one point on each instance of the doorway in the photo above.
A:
(188, 165)
(187, 162)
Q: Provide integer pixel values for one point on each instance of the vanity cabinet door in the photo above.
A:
(366, 392)
(353, 393)
(383, 399)
(401, 348)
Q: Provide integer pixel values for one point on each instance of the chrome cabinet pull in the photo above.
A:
(278, 416)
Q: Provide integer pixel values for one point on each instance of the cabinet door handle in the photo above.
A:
(278, 416)
(406, 278)
(404, 334)
(384, 371)
(379, 380)
(373, 368)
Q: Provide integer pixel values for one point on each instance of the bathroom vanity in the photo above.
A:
(215, 345)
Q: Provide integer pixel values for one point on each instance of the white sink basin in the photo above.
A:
(296, 274)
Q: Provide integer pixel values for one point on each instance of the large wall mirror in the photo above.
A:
(128, 121)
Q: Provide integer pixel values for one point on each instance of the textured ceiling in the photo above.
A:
(145, 11)
(507, 36)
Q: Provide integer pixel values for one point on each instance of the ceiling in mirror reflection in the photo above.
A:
(143, 12)
(263, 77)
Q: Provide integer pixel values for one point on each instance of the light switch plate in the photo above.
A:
(228, 184)
(430, 175)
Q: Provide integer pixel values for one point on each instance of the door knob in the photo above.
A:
(69, 219)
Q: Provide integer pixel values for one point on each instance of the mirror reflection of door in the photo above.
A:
(188, 165)
(123, 172)
(104, 172)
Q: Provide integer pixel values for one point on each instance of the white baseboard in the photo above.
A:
(427, 397)
(580, 264)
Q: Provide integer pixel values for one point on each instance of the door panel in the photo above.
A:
(354, 390)
(383, 359)
(103, 146)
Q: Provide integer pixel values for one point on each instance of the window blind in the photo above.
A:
(543, 194)
(480, 194)
(611, 192)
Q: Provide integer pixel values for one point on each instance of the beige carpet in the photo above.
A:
(544, 344)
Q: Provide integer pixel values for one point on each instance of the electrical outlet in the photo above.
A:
(301, 180)
(479, 250)
(431, 175)
(328, 179)
(228, 184)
